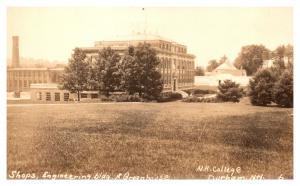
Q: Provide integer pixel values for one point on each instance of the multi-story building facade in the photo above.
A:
(176, 65)
(20, 79)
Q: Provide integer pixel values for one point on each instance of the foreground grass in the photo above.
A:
(150, 139)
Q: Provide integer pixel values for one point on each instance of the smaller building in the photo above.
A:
(271, 62)
(20, 79)
(225, 71)
(228, 68)
(50, 92)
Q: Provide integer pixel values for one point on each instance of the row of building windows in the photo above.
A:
(172, 48)
(167, 63)
(17, 74)
(23, 83)
(48, 97)
(186, 76)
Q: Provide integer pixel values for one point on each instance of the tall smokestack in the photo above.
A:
(15, 52)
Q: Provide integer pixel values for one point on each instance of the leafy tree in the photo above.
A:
(105, 72)
(147, 61)
(199, 71)
(75, 76)
(212, 64)
(229, 91)
(279, 55)
(289, 53)
(131, 73)
(139, 72)
(251, 58)
(283, 90)
(223, 60)
(261, 87)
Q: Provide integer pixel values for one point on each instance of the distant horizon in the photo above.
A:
(209, 33)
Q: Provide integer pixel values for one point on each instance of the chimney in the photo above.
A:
(15, 52)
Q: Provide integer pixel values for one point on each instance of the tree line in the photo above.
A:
(252, 57)
(136, 72)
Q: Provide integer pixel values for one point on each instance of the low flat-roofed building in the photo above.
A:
(20, 79)
(50, 92)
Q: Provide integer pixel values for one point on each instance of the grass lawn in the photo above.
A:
(154, 139)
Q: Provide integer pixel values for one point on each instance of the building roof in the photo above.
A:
(44, 86)
(34, 68)
(226, 66)
(139, 37)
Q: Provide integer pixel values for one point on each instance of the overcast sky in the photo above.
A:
(209, 33)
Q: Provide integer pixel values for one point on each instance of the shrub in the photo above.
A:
(199, 92)
(229, 91)
(193, 99)
(173, 96)
(283, 90)
(106, 99)
(261, 87)
(128, 98)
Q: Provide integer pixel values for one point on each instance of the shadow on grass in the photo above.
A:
(260, 131)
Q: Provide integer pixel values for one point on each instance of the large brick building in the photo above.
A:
(19, 78)
(176, 65)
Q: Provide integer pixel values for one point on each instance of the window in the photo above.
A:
(48, 96)
(25, 83)
(66, 96)
(57, 96)
(39, 96)
(10, 83)
(83, 95)
(93, 96)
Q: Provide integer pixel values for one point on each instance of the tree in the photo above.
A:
(261, 87)
(283, 90)
(75, 76)
(146, 60)
(279, 56)
(229, 91)
(105, 72)
(199, 71)
(131, 73)
(223, 60)
(212, 64)
(139, 72)
(251, 58)
(289, 53)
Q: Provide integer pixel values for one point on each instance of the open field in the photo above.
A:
(151, 139)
